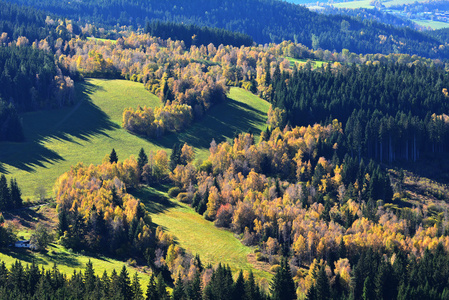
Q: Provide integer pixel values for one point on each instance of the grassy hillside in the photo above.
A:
(200, 236)
(58, 139)
(68, 262)
(88, 131)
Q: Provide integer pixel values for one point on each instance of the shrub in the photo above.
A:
(183, 197)
(173, 192)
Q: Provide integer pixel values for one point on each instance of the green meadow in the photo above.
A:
(68, 262)
(87, 131)
(193, 232)
(302, 62)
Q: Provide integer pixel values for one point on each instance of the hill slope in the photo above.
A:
(58, 139)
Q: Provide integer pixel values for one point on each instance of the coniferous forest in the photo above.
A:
(315, 143)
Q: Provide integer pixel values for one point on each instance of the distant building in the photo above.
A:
(25, 244)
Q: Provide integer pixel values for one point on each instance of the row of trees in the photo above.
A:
(265, 21)
(144, 121)
(196, 35)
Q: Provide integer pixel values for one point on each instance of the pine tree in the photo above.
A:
(142, 160)
(89, 277)
(161, 287)
(283, 287)
(113, 158)
(178, 290)
(136, 290)
(151, 289)
(125, 283)
(322, 285)
(239, 287)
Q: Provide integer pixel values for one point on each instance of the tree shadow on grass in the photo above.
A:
(223, 122)
(83, 121)
(155, 201)
(27, 217)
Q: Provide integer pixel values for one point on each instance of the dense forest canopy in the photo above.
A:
(265, 21)
(375, 103)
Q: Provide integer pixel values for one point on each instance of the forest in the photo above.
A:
(286, 22)
(317, 196)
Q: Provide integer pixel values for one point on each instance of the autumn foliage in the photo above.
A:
(95, 211)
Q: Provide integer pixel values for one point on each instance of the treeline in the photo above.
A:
(32, 282)
(29, 80)
(10, 123)
(377, 277)
(10, 196)
(373, 15)
(197, 35)
(290, 195)
(389, 111)
(264, 21)
(16, 21)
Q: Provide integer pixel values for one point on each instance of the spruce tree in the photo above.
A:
(113, 158)
(178, 290)
(125, 283)
(136, 290)
(194, 289)
(322, 285)
(4, 193)
(161, 287)
(283, 287)
(239, 288)
(89, 277)
(16, 195)
(152, 293)
(142, 160)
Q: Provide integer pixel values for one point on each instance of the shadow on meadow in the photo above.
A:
(223, 122)
(28, 217)
(44, 258)
(155, 201)
(83, 121)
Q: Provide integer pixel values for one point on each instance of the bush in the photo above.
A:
(260, 257)
(183, 197)
(131, 262)
(174, 191)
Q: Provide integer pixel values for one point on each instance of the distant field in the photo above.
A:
(400, 2)
(58, 139)
(354, 4)
(200, 236)
(431, 24)
(301, 1)
(302, 62)
(102, 40)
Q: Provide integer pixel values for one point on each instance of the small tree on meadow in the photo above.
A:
(113, 158)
